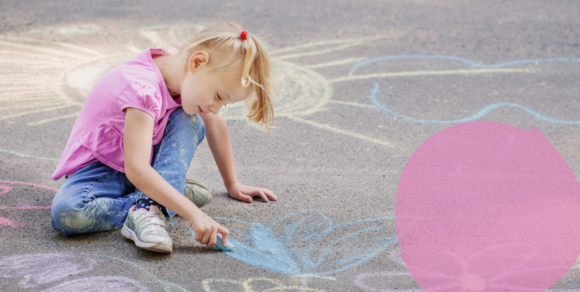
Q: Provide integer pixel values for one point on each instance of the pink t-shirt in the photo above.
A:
(98, 131)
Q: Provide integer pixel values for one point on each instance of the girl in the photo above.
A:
(130, 148)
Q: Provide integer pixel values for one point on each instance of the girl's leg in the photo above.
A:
(173, 155)
(95, 198)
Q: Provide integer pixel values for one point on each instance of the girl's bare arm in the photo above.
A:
(138, 138)
(218, 139)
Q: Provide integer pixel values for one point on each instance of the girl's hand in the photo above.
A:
(245, 193)
(206, 230)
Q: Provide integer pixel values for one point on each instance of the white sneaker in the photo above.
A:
(140, 227)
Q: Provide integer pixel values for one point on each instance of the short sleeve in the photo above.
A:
(141, 96)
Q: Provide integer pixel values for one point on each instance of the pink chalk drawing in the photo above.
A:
(497, 207)
(39, 269)
(25, 183)
(5, 189)
(99, 283)
(471, 281)
(8, 222)
(26, 208)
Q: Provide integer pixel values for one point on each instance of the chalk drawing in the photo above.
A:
(335, 63)
(432, 73)
(4, 189)
(349, 103)
(26, 207)
(308, 242)
(10, 223)
(167, 286)
(42, 77)
(26, 184)
(36, 270)
(4, 186)
(343, 132)
(69, 30)
(26, 155)
(320, 52)
(468, 280)
(298, 86)
(279, 284)
(39, 269)
(462, 60)
(478, 115)
(317, 44)
(305, 92)
(100, 283)
(54, 119)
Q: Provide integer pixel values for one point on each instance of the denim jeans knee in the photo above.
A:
(172, 156)
(96, 198)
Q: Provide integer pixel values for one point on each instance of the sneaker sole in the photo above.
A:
(156, 247)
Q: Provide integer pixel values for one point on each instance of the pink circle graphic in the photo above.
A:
(484, 206)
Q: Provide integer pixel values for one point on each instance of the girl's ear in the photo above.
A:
(197, 60)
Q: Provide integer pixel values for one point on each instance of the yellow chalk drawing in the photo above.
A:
(279, 284)
(32, 75)
(433, 73)
(348, 103)
(304, 92)
(320, 52)
(326, 43)
(335, 63)
(53, 119)
(343, 132)
(152, 36)
(297, 283)
(37, 77)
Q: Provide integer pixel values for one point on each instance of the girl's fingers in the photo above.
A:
(270, 194)
(198, 236)
(206, 236)
(212, 238)
(263, 196)
(224, 232)
(245, 198)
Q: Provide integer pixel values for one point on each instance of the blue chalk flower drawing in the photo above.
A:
(309, 242)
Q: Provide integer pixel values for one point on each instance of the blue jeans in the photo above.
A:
(98, 198)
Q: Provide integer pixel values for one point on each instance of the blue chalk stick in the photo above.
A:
(219, 245)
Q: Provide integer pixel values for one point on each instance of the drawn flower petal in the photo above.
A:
(40, 269)
(300, 232)
(109, 284)
(352, 244)
(257, 245)
(307, 241)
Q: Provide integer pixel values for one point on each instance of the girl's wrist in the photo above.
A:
(192, 216)
(190, 222)
(229, 185)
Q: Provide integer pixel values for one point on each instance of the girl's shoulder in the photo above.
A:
(139, 70)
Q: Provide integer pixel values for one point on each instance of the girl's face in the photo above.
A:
(204, 91)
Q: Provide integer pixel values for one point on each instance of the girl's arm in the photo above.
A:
(218, 140)
(138, 139)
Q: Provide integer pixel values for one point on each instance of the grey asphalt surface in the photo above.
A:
(334, 157)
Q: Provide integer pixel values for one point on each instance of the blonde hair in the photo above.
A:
(225, 46)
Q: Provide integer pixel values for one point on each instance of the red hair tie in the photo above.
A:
(243, 35)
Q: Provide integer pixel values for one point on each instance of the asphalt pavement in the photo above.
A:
(363, 85)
